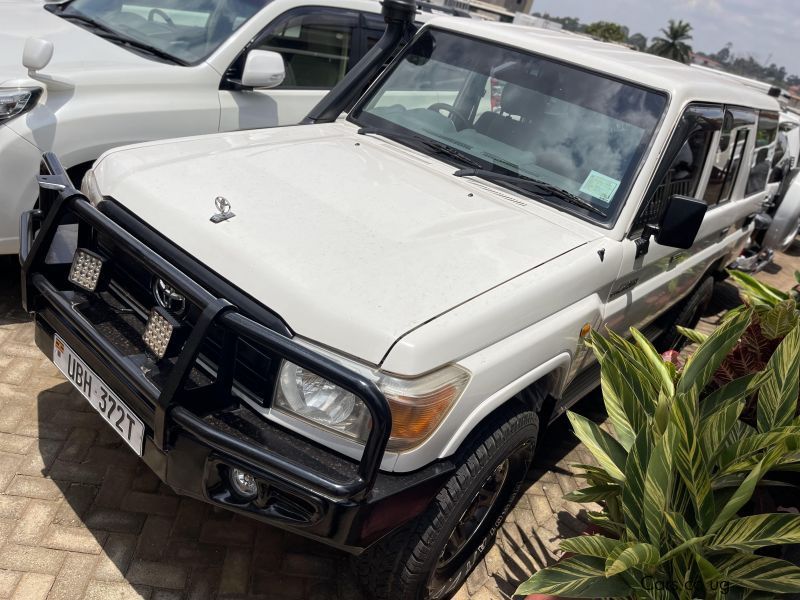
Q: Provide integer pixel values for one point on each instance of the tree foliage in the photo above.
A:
(607, 31)
(638, 41)
(674, 44)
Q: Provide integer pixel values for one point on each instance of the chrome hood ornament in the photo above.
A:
(223, 210)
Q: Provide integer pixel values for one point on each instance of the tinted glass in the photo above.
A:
(682, 177)
(728, 158)
(518, 113)
(189, 30)
(315, 45)
(766, 134)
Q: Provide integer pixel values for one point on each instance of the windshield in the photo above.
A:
(188, 30)
(518, 114)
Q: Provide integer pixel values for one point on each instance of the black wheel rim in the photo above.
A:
(464, 545)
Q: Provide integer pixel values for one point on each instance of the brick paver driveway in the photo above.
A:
(81, 517)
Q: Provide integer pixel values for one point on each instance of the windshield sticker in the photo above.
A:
(600, 186)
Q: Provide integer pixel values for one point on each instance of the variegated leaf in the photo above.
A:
(591, 545)
(744, 452)
(635, 359)
(637, 555)
(655, 361)
(716, 428)
(733, 391)
(758, 293)
(633, 489)
(658, 486)
(739, 498)
(779, 320)
(608, 452)
(693, 335)
(708, 357)
(777, 398)
(760, 573)
(576, 577)
(757, 531)
(595, 493)
(620, 400)
(689, 459)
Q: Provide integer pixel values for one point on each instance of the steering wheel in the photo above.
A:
(459, 120)
(157, 11)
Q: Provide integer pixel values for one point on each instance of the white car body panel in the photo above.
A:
(379, 257)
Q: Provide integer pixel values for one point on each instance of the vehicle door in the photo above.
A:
(707, 159)
(318, 45)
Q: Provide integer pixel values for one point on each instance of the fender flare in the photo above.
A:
(560, 362)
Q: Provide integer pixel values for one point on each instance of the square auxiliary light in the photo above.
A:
(85, 270)
(159, 332)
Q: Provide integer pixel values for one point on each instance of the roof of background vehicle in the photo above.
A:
(683, 83)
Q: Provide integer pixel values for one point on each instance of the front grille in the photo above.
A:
(254, 368)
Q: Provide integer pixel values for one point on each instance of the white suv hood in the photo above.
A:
(353, 241)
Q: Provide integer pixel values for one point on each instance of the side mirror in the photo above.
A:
(680, 221)
(263, 69)
(36, 54)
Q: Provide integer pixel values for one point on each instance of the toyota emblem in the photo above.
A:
(168, 298)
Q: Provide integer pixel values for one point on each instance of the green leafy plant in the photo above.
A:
(676, 473)
(774, 315)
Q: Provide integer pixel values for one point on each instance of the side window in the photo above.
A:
(766, 134)
(682, 177)
(729, 154)
(316, 46)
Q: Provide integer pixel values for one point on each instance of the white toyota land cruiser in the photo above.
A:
(354, 328)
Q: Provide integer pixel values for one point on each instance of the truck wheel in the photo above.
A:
(686, 314)
(429, 558)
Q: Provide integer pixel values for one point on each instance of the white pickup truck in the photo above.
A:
(354, 328)
(98, 74)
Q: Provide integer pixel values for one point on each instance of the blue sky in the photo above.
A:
(768, 29)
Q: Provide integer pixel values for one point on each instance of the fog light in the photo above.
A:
(243, 484)
(158, 333)
(85, 270)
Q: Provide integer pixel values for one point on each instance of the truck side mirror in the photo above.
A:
(680, 221)
(678, 226)
(263, 69)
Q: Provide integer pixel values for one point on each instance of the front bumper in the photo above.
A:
(196, 426)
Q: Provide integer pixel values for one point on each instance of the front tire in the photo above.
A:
(431, 557)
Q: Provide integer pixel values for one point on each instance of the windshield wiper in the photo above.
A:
(105, 32)
(521, 181)
(436, 146)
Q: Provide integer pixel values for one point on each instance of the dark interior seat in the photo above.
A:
(515, 123)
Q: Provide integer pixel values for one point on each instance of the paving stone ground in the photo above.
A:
(81, 517)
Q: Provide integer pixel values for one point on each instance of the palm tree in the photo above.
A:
(673, 45)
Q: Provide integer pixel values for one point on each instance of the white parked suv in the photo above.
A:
(355, 328)
(103, 73)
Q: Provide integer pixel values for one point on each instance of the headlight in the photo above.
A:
(418, 405)
(15, 101)
(307, 395)
(90, 189)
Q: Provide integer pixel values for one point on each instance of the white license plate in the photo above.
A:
(106, 402)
